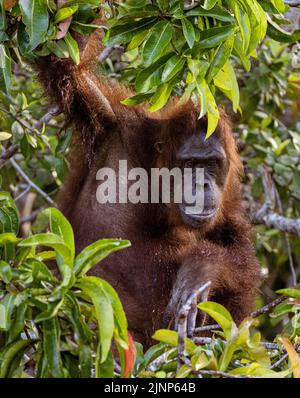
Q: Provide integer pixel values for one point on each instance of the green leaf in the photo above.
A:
(4, 136)
(238, 338)
(14, 218)
(104, 369)
(183, 372)
(243, 23)
(163, 4)
(280, 35)
(50, 240)
(198, 70)
(221, 56)
(227, 354)
(51, 342)
(50, 312)
(122, 34)
(173, 67)
(188, 31)
(40, 272)
(161, 96)
(8, 238)
(67, 282)
(216, 12)
(209, 106)
(151, 76)
(59, 48)
(36, 19)
(17, 326)
(258, 22)
(60, 226)
(7, 306)
(157, 42)
(208, 4)
(256, 351)
(221, 316)
(5, 271)
(64, 13)
(5, 70)
(136, 99)
(170, 337)
(93, 287)
(239, 52)
(256, 370)
(226, 81)
(85, 361)
(279, 5)
(6, 199)
(137, 40)
(281, 310)
(82, 332)
(119, 314)
(290, 292)
(10, 353)
(72, 47)
(212, 37)
(96, 252)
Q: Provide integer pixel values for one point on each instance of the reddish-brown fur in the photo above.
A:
(163, 248)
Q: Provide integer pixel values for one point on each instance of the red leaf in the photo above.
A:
(130, 355)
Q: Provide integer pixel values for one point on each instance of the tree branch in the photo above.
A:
(264, 310)
(292, 3)
(31, 183)
(222, 374)
(266, 215)
(45, 119)
(8, 153)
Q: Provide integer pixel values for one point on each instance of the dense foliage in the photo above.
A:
(238, 53)
(176, 44)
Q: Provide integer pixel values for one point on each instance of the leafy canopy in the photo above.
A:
(179, 47)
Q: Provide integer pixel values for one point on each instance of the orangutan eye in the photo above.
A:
(159, 146)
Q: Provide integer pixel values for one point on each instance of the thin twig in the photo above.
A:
(45, 119)
(284, 357)
(30, 217)
(222, 374)
(292, 3)
(13, 149)
(264, 310)
(27, 189)
(266, 215)
(159, 361)
(268, 307)
(273, 220)
(31, 183)
(8, 153)
(202, 340)
(287, 240)
(271, 346)
(207, 328)
(279, 361)
(265, 344)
